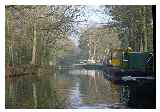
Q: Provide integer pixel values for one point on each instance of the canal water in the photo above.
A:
(74, 89)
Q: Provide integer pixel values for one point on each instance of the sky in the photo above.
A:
(97, 15)
(94, 16)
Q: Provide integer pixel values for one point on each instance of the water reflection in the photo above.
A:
(139, 95)
(63, 89)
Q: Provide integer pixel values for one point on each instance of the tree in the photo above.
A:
(135, 26)
(98, 41)
(32, 32)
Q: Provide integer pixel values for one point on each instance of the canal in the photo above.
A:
(73, 88)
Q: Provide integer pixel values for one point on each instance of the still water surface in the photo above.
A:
(63, 89)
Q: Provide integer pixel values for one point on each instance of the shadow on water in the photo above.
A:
(142, 96)
(76, 88)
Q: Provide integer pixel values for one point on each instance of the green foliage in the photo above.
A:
(38, 34)
(135, 26)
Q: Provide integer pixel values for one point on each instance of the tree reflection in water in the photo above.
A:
(62, 89)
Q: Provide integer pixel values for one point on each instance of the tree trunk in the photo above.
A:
(11, 54)
(131, 35)
(11, 42)
(34, 45)
(90, 49)
(145, 30)
(94, 52)
(141, 46)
